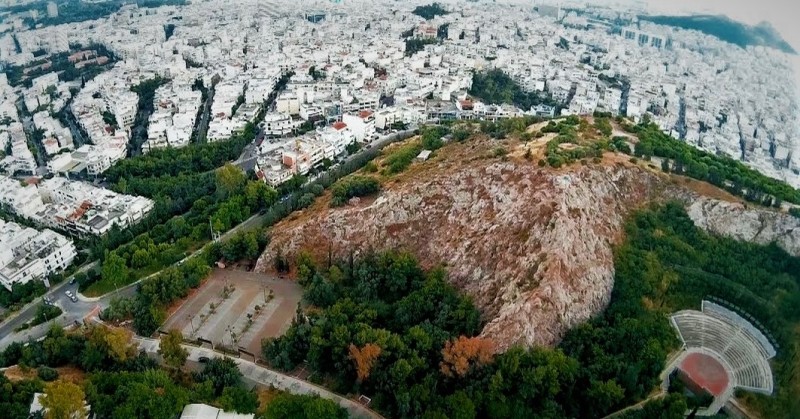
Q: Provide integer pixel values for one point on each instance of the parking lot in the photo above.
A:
(237, 309)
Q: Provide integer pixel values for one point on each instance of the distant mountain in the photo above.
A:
(727, 30)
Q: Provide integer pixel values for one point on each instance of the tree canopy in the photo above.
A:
(429, 11)
(120, 383)
(63, 400)
(171, 350)
(290, 406)
(719, 170)
(495, 86)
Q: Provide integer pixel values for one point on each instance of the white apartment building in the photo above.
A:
(21, 199)
(21, 159)
(278, 125)
(76, 207)
(361, 124)
(171, 124)
(56, 137)
(41, 83)
(27, 254)
(84, 209)
(288, 103)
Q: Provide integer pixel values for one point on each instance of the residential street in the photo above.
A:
(72, 312)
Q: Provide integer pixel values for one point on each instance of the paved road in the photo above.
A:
(255, 374)
(72, 312)
(202, 126)
(247, 161)
(77, 135)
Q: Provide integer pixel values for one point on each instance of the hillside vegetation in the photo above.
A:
(117, 381)
(721, 171)
(383, 327)
(429, 11)
(371, 330)
(495, 86)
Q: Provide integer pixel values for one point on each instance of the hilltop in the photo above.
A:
(530, 243)
(727, 29)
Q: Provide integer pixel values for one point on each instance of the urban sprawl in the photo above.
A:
(317, 79)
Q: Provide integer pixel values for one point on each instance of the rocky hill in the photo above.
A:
(531, 245)
(740, 222)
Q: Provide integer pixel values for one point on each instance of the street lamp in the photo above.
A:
(191, 320)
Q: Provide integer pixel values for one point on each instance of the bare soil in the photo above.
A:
(250, 289)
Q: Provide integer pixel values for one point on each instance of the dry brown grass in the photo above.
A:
(707, 189)
(16, 373)
(68, 373)
(265, 397)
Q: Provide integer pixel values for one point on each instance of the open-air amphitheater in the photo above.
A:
(722, 352)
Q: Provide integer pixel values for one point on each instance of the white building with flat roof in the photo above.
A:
(27, 254)
(84, 209)
(79, 208)
(21, 199)
(204, 411)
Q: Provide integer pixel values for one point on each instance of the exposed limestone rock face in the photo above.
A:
(750, 224)
(531, 246)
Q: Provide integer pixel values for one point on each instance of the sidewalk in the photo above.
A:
(257, 374)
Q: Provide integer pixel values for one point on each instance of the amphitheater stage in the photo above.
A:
(706, 372)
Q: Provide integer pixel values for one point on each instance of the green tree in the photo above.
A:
(605, 394)
(222, 373)
(140, 259)
(63, 400)
(229, 179)
(460, 406)
(290, 406)
(239, 400)
(259, 196)
(46, 373)
(171, 350)
(114, 269)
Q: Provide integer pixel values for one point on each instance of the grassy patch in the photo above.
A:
(402, 157)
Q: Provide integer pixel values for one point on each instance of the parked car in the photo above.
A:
(74, 299)
(68, 294)
(72, 281)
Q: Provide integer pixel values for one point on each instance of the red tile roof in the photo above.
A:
(339, 126)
